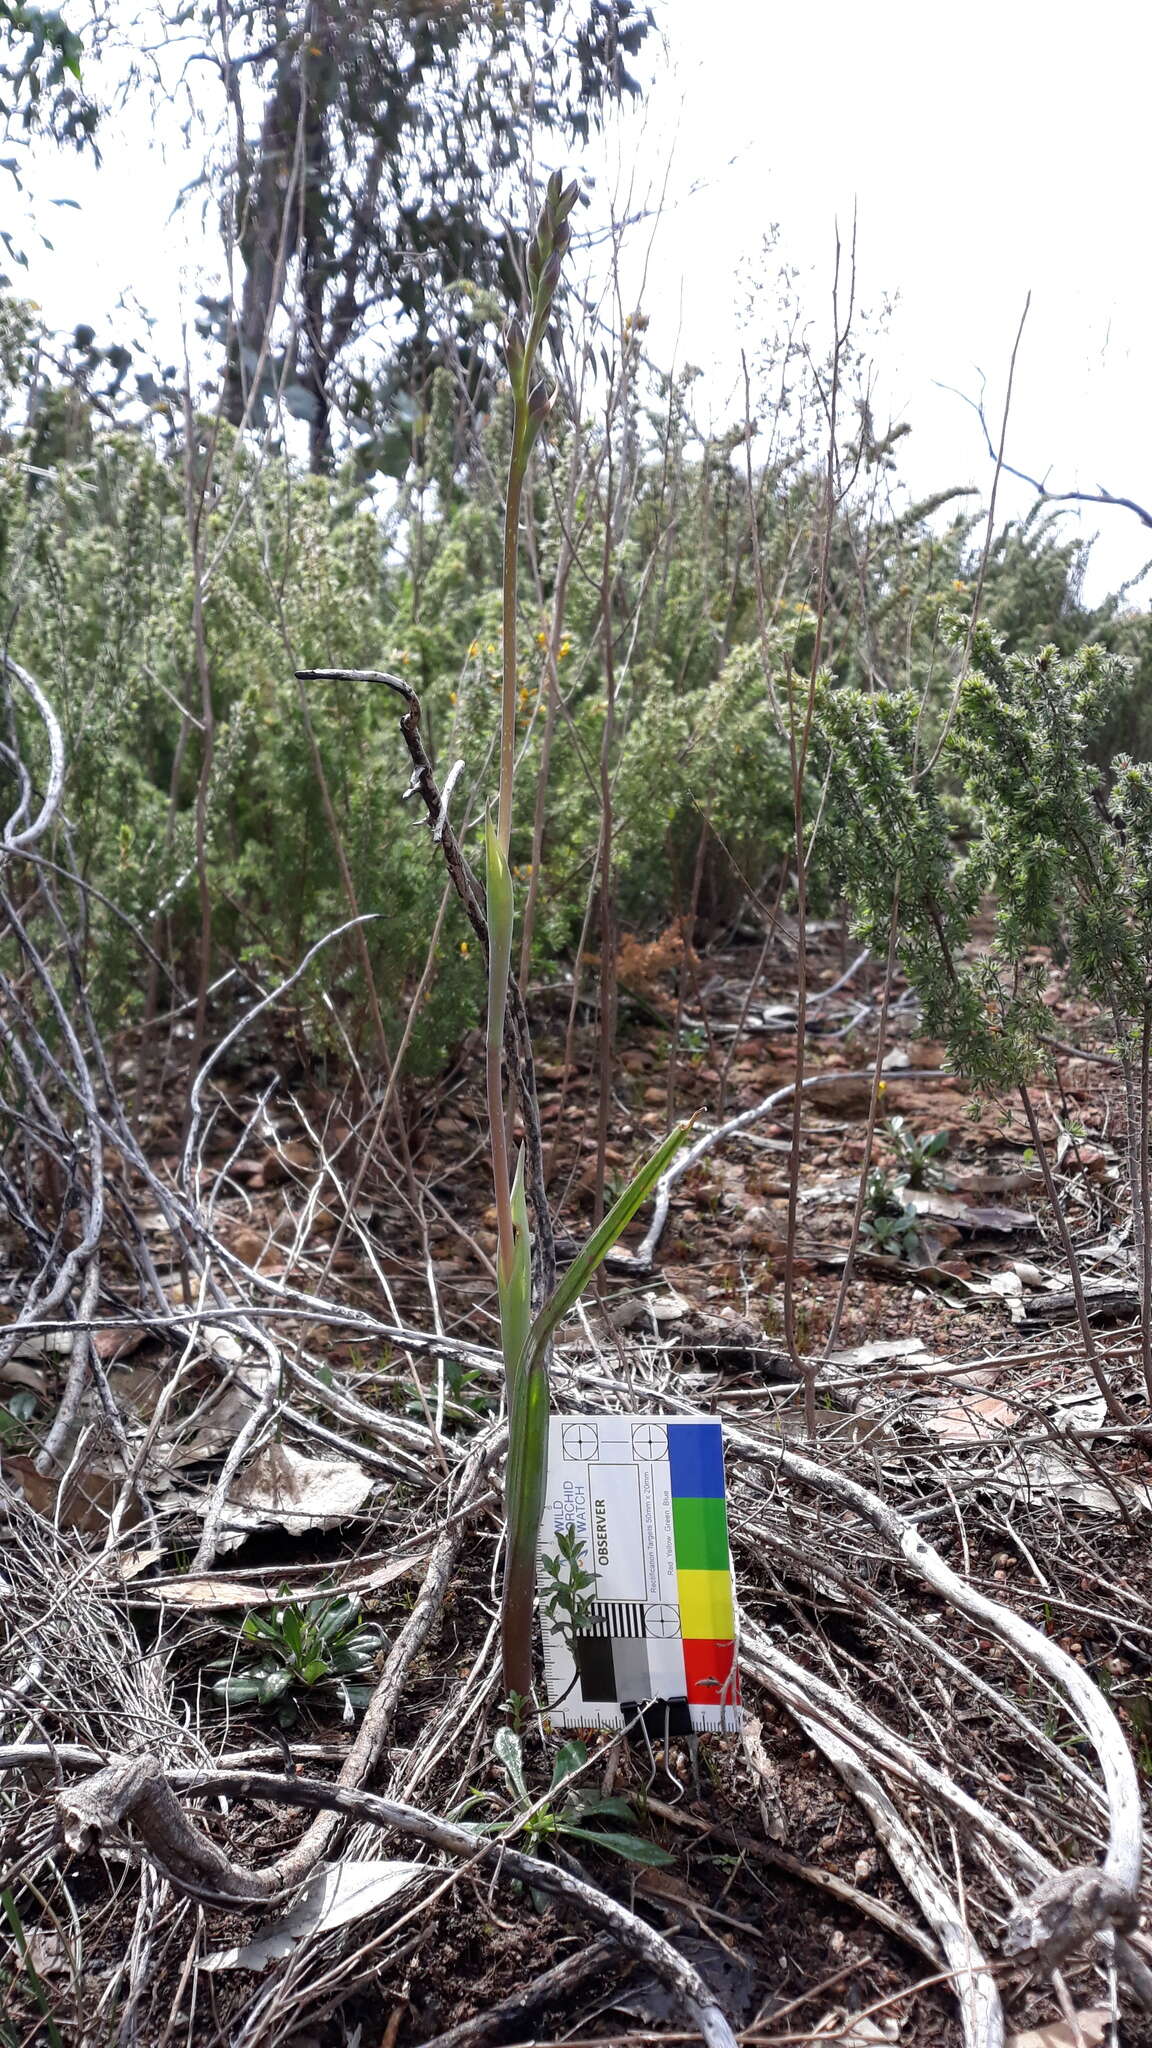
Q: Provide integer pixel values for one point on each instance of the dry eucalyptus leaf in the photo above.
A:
(128, 1564)
(140, 1387)
(881, 1348)
(90, 1493)
(47, 1953)
(44, 1344)
(1028, 1274)
(336, 1894)
(209, 1589)
(220, 1589)
(969, 1420)
(17, 1374)
(995, 1217)
(1092, 2021)
(222, 1344)
(384, 1574)
(119, 1343)
(1049, 1473)
(282, 1488)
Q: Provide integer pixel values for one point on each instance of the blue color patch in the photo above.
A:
(696, 1460)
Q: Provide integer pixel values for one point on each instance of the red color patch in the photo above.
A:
(710, 1670)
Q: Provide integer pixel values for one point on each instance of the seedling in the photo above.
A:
(567, 1601)
(886, 1224)
(564, 1813)
(322, 1645)
(917, 1158)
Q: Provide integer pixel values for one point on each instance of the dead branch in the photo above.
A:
(1099, 496)
(17, 841)
(981, 2013)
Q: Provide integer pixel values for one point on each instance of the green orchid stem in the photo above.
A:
(527, 1477)
(525, 1360)
(500, 922)
(516, 469)
(528, 1400)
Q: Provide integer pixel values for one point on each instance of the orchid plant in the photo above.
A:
(526, 1339)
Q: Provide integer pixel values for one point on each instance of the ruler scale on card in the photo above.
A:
(645, 1496)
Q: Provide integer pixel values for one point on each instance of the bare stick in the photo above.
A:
(981, 2013)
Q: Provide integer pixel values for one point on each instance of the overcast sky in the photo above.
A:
(987, 151)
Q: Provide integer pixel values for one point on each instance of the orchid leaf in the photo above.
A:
(580, 1272)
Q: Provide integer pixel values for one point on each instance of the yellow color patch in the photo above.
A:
(706, 1606)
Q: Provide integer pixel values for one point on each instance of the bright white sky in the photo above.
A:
(988, 151)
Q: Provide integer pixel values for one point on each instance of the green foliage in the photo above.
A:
(95, 569)
(417, 115)
(887, 1223)
(886, 1226)
(565, 1598)
(96, 588)
(41, 84)
(320, 1646)
(566, 1818)
(1062, 848)
(917, 1158)
(723, 765)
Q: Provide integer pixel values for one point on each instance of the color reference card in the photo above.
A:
(645, 1496)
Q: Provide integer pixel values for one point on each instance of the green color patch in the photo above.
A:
(701, 1528)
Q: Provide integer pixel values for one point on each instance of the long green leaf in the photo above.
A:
(633, 1848)
(580, 1272)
